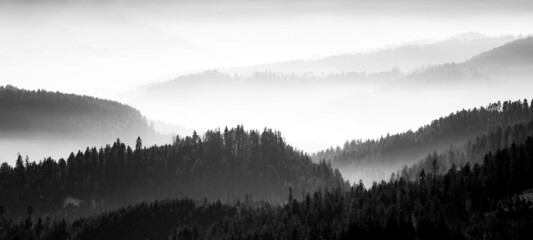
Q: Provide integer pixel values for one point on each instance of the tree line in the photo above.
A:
(471, 152)
(223, 165)
(30, 113)
(456, 128)
(491, 200)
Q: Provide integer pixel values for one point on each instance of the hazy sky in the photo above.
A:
(104, 48)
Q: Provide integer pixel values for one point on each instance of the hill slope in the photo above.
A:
(486, 200)
(40, 122)
(470, 153)
(361, 159)
(221, 165)
(517, 53)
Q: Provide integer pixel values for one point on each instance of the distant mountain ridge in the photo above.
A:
(517, 53)
(513, 59)
(513, 53)
(265, 96)
(407, 58)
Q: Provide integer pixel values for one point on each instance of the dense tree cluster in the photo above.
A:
(471, 152)
(221, 165)
(480, 202)
(172, 219)
(492, 200)
(55, 114)
(457, 128)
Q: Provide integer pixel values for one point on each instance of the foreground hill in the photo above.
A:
(221, 165)
(467, 203)
(487, 201)
(42, 121)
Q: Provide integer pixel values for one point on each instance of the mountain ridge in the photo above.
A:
(406, 57)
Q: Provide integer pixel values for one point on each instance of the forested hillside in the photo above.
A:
(491, 200)
(471, 152)
(53, 114)
(222, 165)
(39, 123)
(481, 200)
(455, 129)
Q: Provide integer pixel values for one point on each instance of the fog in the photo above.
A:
(119, 49)
(316, 115)
(407, 57)
(100, 48)
(38, 144)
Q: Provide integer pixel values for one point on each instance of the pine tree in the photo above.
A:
(138, 144)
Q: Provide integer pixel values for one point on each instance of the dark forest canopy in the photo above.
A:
(454, 129)
(25, 113)
(480, 201)
(471, 152)
(491, 200)
(222, 165)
